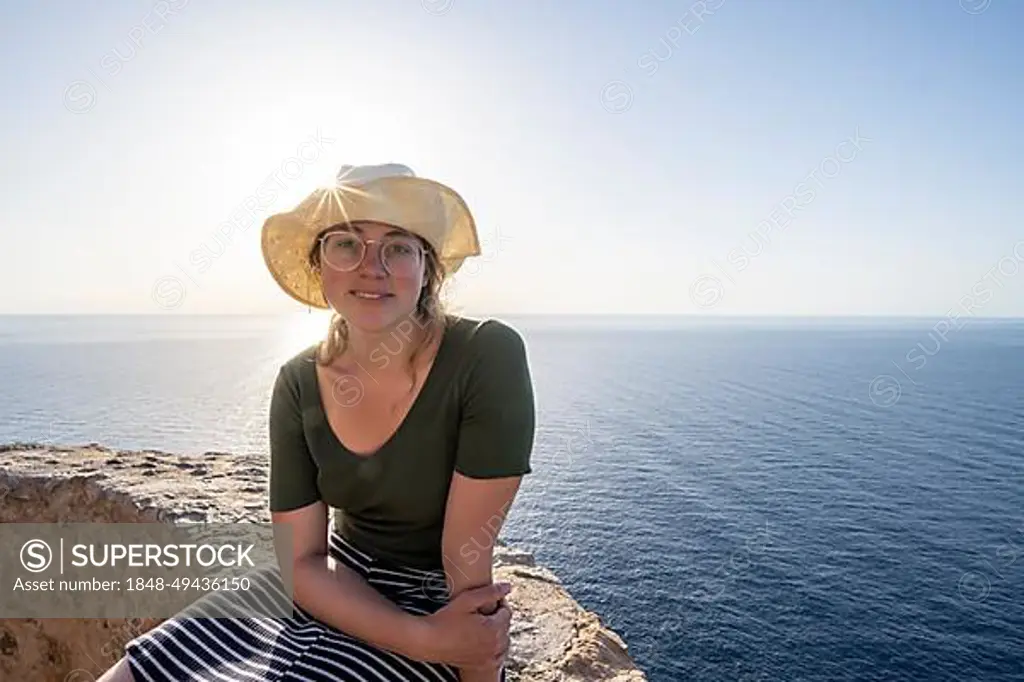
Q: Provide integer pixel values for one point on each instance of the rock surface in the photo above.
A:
(553, 639)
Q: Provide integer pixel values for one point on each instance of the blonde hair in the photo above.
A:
(430, 313)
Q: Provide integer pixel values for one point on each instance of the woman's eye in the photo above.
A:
(344, 244)
(403, 248)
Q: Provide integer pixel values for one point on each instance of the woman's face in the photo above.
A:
(372, 274)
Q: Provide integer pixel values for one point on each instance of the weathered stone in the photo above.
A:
(553, 638)
(508, 556)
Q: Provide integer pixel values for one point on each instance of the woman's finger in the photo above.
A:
(501, 617)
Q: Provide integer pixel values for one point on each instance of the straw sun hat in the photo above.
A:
(386, 193)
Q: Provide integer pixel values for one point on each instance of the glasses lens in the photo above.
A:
(402, 257)
(343, 251)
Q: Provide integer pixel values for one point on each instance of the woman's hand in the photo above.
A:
(459, 635)
(492, 671)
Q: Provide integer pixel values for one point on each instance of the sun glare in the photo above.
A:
(300, 330)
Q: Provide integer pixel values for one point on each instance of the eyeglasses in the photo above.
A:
(344, 251)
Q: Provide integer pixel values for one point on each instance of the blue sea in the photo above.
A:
(742, 499)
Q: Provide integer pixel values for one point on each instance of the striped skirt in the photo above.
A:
(299, 648)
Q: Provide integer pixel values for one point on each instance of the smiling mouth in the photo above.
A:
(370, 295)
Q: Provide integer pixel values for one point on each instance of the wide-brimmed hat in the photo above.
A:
(386, 193)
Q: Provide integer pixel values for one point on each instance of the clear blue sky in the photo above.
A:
(620, 156)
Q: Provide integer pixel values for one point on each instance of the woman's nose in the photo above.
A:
(373, 262)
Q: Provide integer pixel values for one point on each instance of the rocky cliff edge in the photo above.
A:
(553, 638)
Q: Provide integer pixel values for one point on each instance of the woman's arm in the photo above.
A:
(495, 443)
(339, 596)
(475, 513)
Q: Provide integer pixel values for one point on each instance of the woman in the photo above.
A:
(414, 426)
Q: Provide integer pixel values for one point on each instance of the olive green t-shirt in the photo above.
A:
(475, 414)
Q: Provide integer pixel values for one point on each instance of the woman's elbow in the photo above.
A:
(302, 542)
(468, 566)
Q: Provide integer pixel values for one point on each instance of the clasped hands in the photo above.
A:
(462, 633)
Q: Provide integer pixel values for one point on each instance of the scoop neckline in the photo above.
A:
(413, 408)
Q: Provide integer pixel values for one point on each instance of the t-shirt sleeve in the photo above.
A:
(496, 431)
(293, 473)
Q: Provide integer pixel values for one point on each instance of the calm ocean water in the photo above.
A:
(752, 500)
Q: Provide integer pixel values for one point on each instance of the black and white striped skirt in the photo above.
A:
(299, 648)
